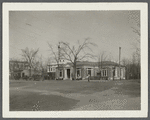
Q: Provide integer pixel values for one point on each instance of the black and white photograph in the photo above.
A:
(75, 61)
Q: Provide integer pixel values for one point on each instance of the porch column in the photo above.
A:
(71, 73)
(65, 75)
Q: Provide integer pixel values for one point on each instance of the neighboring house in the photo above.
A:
(53, 68)
(16, 68)
(26, 72)
(109, 70)
(20, 69)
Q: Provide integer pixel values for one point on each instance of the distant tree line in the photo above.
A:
(133, 67)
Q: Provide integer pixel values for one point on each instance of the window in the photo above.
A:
(104, 73)
(51, 69)
(60, 73)
(78, 72)
(114, 72)
(89, 71)
(98, 73)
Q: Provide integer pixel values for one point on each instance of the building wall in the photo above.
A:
(117, 73)
(27, 73)
(107, 72)
(84, 73)
(15, 69)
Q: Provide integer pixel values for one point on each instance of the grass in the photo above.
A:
(131, 88)
(65, 86)
(51, 95)
(35, 102)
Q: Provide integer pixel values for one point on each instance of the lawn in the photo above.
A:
(72, 95)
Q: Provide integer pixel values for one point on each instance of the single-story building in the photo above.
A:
(97, 70)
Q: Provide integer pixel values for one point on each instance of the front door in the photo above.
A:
(68, 73)
(22, 74)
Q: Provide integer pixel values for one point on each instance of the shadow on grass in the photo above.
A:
(35, 102)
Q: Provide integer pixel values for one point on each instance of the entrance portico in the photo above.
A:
(67, 72)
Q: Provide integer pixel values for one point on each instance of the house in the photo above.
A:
(21, 69)
(107, 70)
(16, 69)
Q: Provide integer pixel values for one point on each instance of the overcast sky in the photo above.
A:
(108, 29)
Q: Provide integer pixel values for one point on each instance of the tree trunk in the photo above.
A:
(74, 67)
(30, 72)
(99, 74)
(42, 74)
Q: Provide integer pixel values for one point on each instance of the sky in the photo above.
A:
(109, 30)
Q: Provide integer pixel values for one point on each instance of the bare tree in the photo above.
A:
(77, 53)
(14, 65)
(132, 67)
(137, 54)
(42, 66)
(137, 42)
(56, 55)
(136, 65)
(125, 62)
(137, 30)
(29, 56)
(134, 17)
(101, 58)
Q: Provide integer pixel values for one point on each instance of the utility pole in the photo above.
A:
(119, 61)
(59, 52)
(58, 57)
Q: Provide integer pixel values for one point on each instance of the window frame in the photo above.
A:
(87, 69)
(78, 69)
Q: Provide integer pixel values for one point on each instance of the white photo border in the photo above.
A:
(143, 7)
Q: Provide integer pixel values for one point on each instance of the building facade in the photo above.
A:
(16, 69)
(21, 69)
(107, 70)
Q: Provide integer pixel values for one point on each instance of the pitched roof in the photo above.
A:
(104, 63)
(88, 63)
